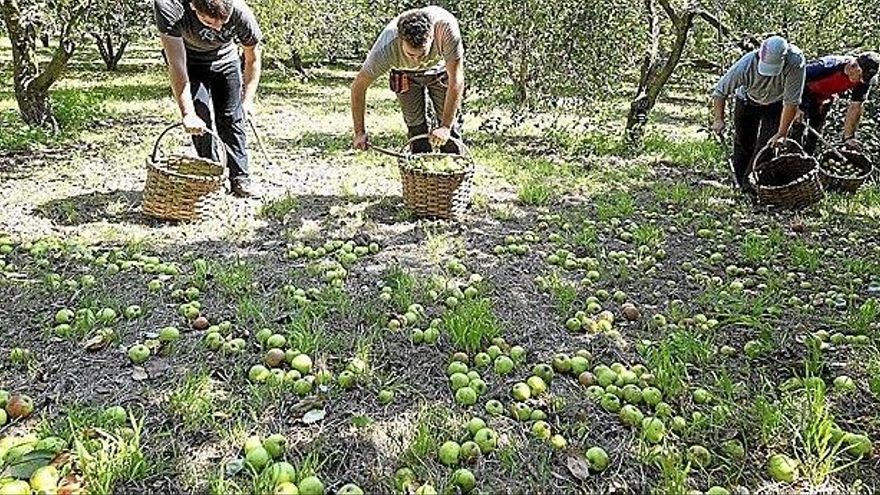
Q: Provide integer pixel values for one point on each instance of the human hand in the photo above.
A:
(718, 127)
(360, 142)
(852, 144)
(247, 108)
(777, 140)
(439, 136)
(194, 124)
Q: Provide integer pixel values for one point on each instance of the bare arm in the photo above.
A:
(789, 112)
(853, 117)
(253, 62)
(358, 108)
(455, 72)
(176, 54)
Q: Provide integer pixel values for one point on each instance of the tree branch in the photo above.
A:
(56, 66)
(670, 11)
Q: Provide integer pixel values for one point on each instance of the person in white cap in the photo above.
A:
(768, 84)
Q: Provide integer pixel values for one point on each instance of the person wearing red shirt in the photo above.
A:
(827, 79)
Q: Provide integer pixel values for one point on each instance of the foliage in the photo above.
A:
(113, 24)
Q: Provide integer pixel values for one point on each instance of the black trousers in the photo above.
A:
(218, 90)
(754, 125)
(815, 114)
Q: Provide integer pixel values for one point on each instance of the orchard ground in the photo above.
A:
(732, 300)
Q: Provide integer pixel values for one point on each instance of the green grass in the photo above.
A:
(759, 249)
(859, 320)
(563, 292)
(615, 204)
(671, 357)
(308, 333)
(684, 152)
(253, 309)
(279, 208)
(471, 324)
(872, 366)
(74, 111)
(192, 402)
(403, 286)
(535, 192)
(431, 430)
(648, 235)
(235, 278)
(804, 256)
(767, 415)
(107, 455)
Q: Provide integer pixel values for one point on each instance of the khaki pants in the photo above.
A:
(413, 103)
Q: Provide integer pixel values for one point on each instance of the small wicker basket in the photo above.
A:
(178, 186)
(444, 195)
(833, 180)
(786, 178)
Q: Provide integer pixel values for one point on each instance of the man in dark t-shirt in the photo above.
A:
(200, 40)
(827, 79)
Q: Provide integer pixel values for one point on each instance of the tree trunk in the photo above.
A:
(30, 83)
(110, 54)
(520, 84)
(656, 72)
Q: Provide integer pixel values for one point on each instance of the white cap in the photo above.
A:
(771, 57)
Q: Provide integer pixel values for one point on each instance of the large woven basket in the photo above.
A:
(787, 178)
(444, 195)
(178, 186)
(831, 176)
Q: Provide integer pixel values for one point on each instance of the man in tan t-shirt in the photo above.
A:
(423, 51)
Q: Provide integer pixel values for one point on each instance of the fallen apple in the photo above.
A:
(19, 406)
(597, 458)
(311, 485)
(464, 479)
(138, 353)
(449, 453)
(487, 439)
(469, 452)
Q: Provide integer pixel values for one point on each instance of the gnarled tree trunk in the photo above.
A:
(111, 53)
(31, 84)
(657, 70)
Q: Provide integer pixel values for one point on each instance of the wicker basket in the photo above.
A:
(178, 186)
(832, 181)
(444, 195)
(786, 178)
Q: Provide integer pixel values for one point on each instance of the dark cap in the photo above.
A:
(870, 63)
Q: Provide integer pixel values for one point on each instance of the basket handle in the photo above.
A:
(769, 147)
(225, 148)
(465, 151)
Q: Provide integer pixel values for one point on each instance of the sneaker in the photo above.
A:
(242, 187)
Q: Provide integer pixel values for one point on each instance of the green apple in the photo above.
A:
(386, 396)
(475, 425)
(346, 379)
(518, 354)
(138, 353)
(457, 367)
(168, 335)
(494, 408)
(521, 392)
(597, 458)
(286, 488)
(541, 430)
(544, 371)
(258, 458)
(503, 365)
(464, 479)
(466, 396)
(301, 363)
(469, 452)
(562, 363)
(311, 485)
(653, 429)
(449, 453)
(275, 340)
(274, 445)
(350, 489)
(536, 385)
(487, 439)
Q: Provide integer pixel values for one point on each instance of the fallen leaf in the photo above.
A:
(578, 466)
(23, 467)
(138, 374)
(314, 416)
(234, 467)
(96, 343)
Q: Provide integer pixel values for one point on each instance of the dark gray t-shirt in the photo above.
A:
(203, 44)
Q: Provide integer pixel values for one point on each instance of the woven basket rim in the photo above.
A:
(469, 167)
(797, 182)
(864, 175)
(161, 167)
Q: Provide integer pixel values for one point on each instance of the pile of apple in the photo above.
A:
(302, 297)
(263, 457)
(516, 244)
(466, 384)
(347, 252)
(570, 261)
(68, 323)
(286, 367)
